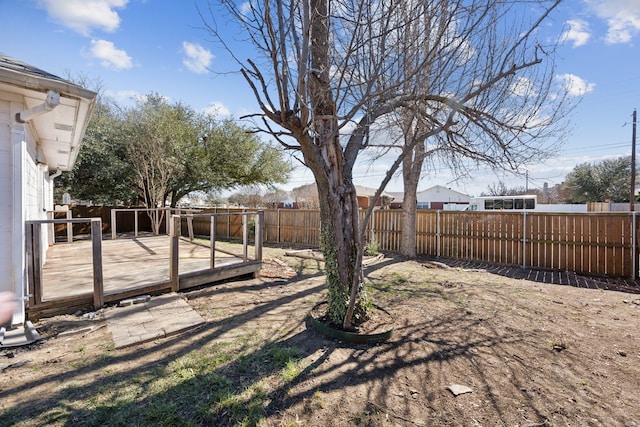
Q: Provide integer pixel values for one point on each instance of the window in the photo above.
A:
(518, 203)
(529, 203)
(507, 204)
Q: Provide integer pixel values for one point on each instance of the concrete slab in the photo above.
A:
(161, 316)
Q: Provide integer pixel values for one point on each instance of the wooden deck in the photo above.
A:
(131, 266)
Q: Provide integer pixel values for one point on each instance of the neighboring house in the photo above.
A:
(365, 197)
(434, 198)
(42, 121)
(306, 197)
(287, 203)
(398, 196)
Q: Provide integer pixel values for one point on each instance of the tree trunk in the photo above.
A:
(411, 171)
(408, 238)
(340, 239)
(324, 155)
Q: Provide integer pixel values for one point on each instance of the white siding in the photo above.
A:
(441, 194)
(6, 184)
(21, 196)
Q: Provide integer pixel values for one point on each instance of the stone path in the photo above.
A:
(158, 317)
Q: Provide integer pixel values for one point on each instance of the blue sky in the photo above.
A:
(140, 46)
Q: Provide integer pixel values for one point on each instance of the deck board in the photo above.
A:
(127, 264)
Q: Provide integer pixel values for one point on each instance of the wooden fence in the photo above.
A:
(587, 243)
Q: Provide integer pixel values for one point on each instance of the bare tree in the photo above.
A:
(274, 198)
(517, 119)
(327, 70)
(306, 196)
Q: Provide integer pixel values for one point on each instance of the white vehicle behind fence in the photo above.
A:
(526, 203)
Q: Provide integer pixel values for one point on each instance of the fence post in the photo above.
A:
(372, 225)
(278, 228)
(135, 222)
(438, 234)
(634, 257)
(96, 245)
(524, 239)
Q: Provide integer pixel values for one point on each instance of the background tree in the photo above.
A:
(161, 137)
(157, 152)
(102, 172)
(249, 196)
(608, 180)
(324, 68)
(446, 50)
(501, 189)
(274, 198)
(306, 196)
(226, 156)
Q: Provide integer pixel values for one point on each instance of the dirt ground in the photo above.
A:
(531, 353)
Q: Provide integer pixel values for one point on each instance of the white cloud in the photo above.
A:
(577, 33)
(84, 15)
(622, 16)
(217, 108)
(109, 55)
(197, 58)
(123, 96)
(574, 85)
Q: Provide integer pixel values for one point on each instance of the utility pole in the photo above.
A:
(632, 194)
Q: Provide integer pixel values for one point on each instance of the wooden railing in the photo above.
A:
(211, 220)
(37, 241)
(151, 213)
(34, 249)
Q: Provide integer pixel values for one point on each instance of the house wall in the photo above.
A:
(435, 197)
(6, 194)
(24, 195)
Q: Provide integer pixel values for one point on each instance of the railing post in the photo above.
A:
(245, 237)
(190, 225)
(51, 228)
(174, 260)
(258, 235)
(69, 227)
(212, 242)
(98, 281)
(167, 221)
(113, 223)
(135, 222)
(34, 262)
